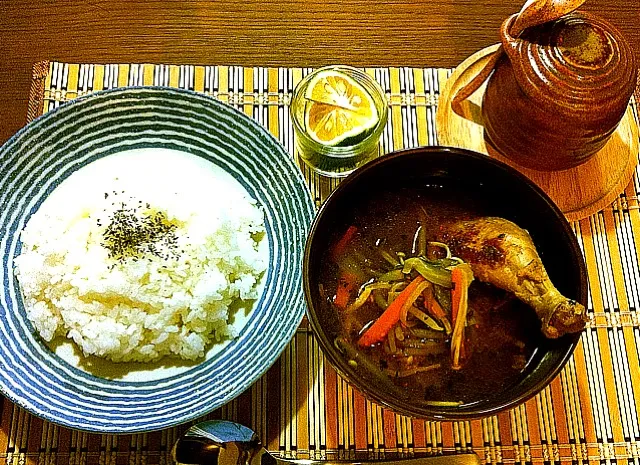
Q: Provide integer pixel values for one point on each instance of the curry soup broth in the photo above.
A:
(501, 334)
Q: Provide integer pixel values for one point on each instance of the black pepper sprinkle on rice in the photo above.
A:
(132, 234)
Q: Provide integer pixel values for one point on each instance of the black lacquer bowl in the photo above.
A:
(502, 192)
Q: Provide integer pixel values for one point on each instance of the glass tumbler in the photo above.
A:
(338, 160)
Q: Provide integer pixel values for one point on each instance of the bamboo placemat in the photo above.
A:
(301, 407)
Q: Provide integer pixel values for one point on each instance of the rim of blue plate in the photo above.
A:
(280, 190)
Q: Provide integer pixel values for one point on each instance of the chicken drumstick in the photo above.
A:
(503, 254)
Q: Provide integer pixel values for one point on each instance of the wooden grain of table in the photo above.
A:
(418, 33)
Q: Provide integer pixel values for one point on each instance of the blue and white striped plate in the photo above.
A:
(46, 152)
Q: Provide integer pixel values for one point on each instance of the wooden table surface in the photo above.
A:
(252, 33)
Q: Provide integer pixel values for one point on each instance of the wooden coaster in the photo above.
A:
(578, 192)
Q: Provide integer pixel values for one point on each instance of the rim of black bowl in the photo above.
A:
(441, 413)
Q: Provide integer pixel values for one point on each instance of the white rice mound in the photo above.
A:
(141, 310)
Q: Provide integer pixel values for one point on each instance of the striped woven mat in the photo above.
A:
(301, 407)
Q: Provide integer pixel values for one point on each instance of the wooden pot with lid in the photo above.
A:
(557, 89)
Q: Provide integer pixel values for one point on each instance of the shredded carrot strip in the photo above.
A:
(434, 308)
(461, 276)
(347, 284)
(341, 245)
(379, 329)
(408, 304)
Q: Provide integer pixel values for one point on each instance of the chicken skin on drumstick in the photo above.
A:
(503, 254)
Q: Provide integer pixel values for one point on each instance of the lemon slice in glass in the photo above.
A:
(338, 108)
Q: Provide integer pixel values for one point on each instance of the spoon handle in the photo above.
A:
(220, 442)
(194, 451)
(453, 459)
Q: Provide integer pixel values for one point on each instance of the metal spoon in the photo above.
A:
(220, 442)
